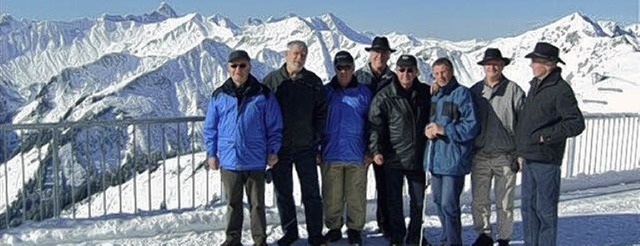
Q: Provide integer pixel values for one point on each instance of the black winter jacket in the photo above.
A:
(304, 108)
(550, 111)
(396, 130)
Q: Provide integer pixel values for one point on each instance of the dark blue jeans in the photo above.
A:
(307, 170)
(394, 179)
(540, 195)
(446, 195)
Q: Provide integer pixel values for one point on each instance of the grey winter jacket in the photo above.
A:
(497, 110)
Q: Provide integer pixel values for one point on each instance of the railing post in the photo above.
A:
(571, 149)
(56, 172)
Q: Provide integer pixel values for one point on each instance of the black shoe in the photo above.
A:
(333, 235)
(483, 240)
(231, 243)
(354, 237)
(318, 241)
(503, 242)
(287, 240)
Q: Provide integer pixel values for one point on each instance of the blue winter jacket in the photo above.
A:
(344, 138)
(243, 125)
(452, 108)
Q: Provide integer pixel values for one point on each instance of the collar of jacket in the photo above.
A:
(449, 87)
(550, 80)
(386, 74)
(252, 87)
(336, 85)
(397, 87)
(500, 88)
(285, 74)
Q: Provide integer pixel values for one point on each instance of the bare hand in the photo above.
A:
(433, 130)
(272, 159)
(520, 162)
(434, 88)
(378, 159)
(214, 163)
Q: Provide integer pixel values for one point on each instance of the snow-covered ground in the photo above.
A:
(600, 209)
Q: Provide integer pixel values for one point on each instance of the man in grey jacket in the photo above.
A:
(498, 101)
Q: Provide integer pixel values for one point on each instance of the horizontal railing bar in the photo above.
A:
(99, 123)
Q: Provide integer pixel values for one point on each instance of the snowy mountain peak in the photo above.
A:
(165, 10)
(253, 22)
(578, 22)
(273, 19)
(162, 13)
(223, 21)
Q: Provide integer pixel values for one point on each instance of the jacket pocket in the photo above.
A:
(450, 109)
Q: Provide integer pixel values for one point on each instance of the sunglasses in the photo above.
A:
(408, 70)
(241, 65)
(343, 68)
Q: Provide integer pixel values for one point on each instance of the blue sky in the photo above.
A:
(451, 19)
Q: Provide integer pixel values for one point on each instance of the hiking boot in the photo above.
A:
(318, 241)
(333, 235)
(483, 240)
(354, 237)
(503, 242)
(287, 240)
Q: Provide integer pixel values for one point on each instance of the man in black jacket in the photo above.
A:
(397, 117)
(550, 116)
(304, 109)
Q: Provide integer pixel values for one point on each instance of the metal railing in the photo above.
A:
(89, 169)
(610, 142)
(55, 169)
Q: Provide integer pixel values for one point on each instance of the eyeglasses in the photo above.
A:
(241, 65)
(341, 68)
(408, 70)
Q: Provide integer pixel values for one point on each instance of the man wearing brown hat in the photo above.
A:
(498, 101)
(398, 115)
(376, 75)
(243, 112)
(550, 115)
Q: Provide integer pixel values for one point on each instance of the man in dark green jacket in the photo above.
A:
(550, 116)
(302, 100)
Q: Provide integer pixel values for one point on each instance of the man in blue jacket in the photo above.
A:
(243, 133)
(451, 133)
(344, 157)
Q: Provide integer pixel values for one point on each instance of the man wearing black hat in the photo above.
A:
(303, 103)
(452, 130)
(398, 115)
(550, 115)
(243, 112)
(498, 101)
(344, 156)
(376, 75)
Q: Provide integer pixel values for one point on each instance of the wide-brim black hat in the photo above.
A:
(545, 51)
(493, 54)
(380, 43)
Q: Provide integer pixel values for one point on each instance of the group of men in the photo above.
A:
(407, 129)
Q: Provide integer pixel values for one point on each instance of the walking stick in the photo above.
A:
(426, 165)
